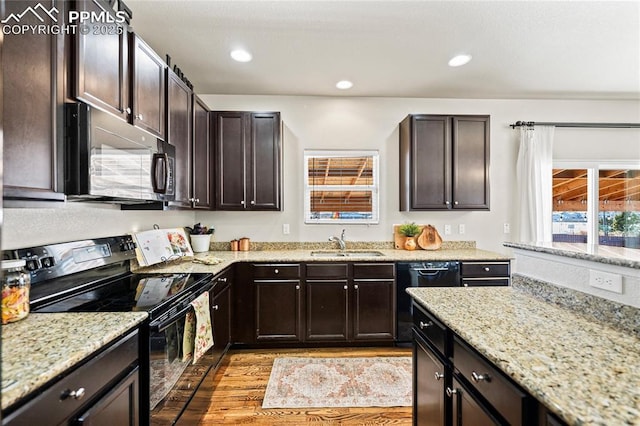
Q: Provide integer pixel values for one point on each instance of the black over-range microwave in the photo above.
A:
(107, 159)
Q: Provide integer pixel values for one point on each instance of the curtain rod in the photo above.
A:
(585, 125)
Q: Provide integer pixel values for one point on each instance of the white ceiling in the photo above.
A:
(520, 49)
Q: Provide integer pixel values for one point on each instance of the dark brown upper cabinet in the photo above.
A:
(148, 89)
(33, 96)
(202, 157)
(444, 162)
(118, 72)
(180, 134)
(102, 65)
(248, 160)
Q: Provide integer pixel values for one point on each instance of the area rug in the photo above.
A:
(339, 382)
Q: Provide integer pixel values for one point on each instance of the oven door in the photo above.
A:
(167, 360)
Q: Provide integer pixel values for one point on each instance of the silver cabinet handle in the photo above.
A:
(222, 280)
(447, 203)
(355, 286)
(197, 200)
(127, 110)
(345, 287)
(275, 271)
(455, 202)
(298, 287)
(487, 269)
(76, 394)
(253, 203)
(139, 117)
(242, 202)
(451, 392)
(215, 307)
(439, 376)
(425, 325)
(480, 377)
(465, 285)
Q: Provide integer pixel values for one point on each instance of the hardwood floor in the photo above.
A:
(233, 393)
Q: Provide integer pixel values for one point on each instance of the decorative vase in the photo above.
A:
(410, 243)
(200, 243)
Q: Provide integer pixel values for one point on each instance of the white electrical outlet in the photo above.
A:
(461, 229)
(447, 230)
(506, 228)
(605, 281)
(285, 228)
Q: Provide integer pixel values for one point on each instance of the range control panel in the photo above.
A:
(57, 260)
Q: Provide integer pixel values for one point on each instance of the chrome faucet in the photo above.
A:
(339, 240)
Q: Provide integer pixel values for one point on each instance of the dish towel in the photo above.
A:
(188, 336)
(204, 334)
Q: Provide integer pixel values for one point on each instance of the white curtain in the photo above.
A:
(534, 173)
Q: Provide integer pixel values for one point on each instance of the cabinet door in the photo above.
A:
(327, 310)
(278, 310)
(264, 188)
(102, 65)
(179, 134)
(32, 109)
(202, 157)
(148, 89)
(221, 321)
(425, 152)
(467, 410)
(118, 407)
(471, 162)
(430, 407)
(230, 171)
(374, 310)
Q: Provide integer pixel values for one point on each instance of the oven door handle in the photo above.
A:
(429, 272)
(157, 326)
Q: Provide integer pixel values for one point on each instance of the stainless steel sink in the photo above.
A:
(346, 254)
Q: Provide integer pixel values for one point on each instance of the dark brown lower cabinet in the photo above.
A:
(220, 302)
(279, 310)
(430, 405)
(118, 407)
(467, 410)
(327, 307)
(374, 309)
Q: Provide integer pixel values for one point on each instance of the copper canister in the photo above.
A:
(234, 245)
(244, 244)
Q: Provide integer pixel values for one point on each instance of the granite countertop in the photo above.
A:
(40, 347)
(227, 258)
(618, 256)
(583, 370)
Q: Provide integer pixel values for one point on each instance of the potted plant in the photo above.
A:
(409, 230)
(200, 237)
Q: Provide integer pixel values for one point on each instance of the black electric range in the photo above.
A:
(94, 276)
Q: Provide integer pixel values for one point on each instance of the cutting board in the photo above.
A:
(398, 238)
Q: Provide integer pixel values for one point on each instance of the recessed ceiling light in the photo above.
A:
(459, 60)
(241, 55)
(344, 84)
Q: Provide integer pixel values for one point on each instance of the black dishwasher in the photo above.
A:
(420, 274)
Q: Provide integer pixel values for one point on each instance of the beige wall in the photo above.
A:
(338, 123)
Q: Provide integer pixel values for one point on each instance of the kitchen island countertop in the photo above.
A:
(40, 347)
(582, 370)
(389, 255)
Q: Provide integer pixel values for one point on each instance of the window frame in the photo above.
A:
(374, 187)
(593, 169)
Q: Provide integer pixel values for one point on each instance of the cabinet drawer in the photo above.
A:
(483, 282)
(510, 402)
(373, 270)
(55, 406)
(485, 269)
(431, 330)
(277, 270)
(327, 270)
